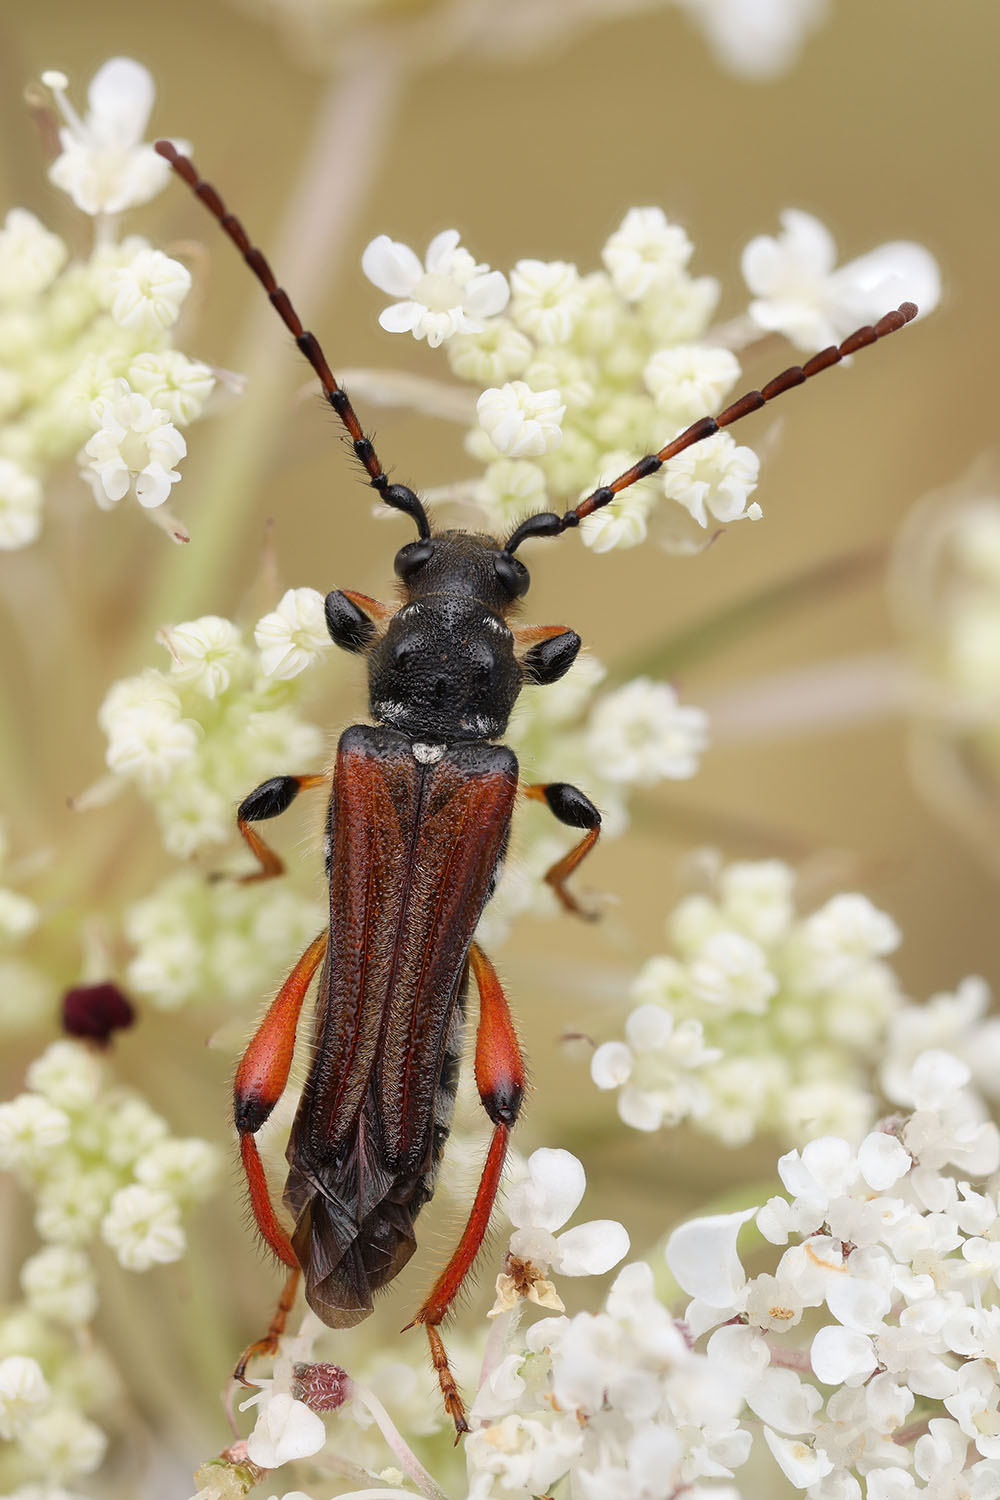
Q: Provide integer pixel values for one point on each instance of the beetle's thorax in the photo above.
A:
(445, 667)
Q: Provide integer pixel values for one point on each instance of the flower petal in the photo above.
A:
(591, 1249)
(800, 1464)
(393, 267)
(401, 317)
(702, 1255)
(120, 96)
(839, 1356)
(550, 1193)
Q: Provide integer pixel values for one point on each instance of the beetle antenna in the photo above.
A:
(396, 495)
(549, 524)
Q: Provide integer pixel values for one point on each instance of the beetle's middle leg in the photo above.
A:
(500, 1080)
(269, 800)
(574, 809)
(260, 1082)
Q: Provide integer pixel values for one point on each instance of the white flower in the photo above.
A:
(732, 971)
(537, 1206)
(148, 747)
(31, 1129)
(146, 294)
(63, 1443)
(133, 448)
(294, 636)
(547, 299)
(642, 734)
(285, 1430)
(449, 294)
(187, 1170)
(645, 251)
(509, 490)
(654, 1068)
(143, 1228)
(757, 39)
(68, 1075)
(499, 352)
(714, 477)
(20, 506)
(30, 257)
(23, 1392)
(800, 294)
(205, 653)
(169, 380)
(520, 422)
(59, 1283)
(623, 522)
(105, 166)
(690, 380)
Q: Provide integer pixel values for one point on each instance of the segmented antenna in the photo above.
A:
(549, 524)
(396, 495)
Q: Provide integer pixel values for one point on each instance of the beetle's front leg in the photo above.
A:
(571, 807)
(269, 800)
(500, 1080)
(260, 1082)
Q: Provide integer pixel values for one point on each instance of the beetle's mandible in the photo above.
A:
(417, 828)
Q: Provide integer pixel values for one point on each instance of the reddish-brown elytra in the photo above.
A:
(419, 816)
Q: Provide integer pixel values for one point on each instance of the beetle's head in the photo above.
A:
(446, 664)
(466, 563)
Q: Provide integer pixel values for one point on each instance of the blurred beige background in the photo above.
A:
(886, 129)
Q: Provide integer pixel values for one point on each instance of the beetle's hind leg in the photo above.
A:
(260, 1082)
(269, 1343)
(269, 800)
(500, 1080)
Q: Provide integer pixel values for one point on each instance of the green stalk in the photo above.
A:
(339, 170)
(695, 643)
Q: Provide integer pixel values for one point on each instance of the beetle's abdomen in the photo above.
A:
(414, 845)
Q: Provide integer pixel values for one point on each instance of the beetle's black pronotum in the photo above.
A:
(417, 827)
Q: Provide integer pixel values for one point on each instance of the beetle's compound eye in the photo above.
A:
(412, 557)
(512, 573)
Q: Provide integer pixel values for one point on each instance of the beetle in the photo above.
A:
(417, 827)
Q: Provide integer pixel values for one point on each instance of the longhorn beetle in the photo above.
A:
(416, 832)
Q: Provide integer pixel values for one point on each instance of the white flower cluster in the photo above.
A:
(616, 1399)
(769, 1021)
(604, 742)
(88, 362)
(100, 1164)
(197, 942)
(887, 1296)
(585, 373)
(195, 739)
(199, 736)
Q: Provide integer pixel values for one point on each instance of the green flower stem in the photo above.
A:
(694, 644)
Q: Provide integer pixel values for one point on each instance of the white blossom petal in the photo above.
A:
(702, 1256)
(591, 1249)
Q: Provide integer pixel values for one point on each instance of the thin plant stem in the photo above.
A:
(409, 1461)
(339, 170)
